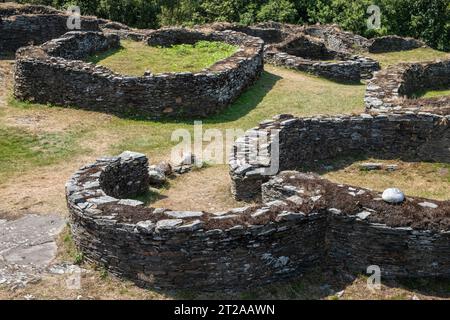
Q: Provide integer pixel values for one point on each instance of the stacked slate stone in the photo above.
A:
(48, 74)
(186, 249)
(368, 236)
(407, 136)
(23, 25)
(126, 176)
(393, 88)
(307, 48)
(300, 225)
(79, 45)
(269, 32)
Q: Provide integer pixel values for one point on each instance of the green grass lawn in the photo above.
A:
(20, 149)
(434, 93)
(134, 58)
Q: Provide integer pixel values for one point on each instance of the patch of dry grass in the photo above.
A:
(416, 55)
(419, 179)
(136, 57)
(190, 192)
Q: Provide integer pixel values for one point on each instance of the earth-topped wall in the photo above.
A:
(305, 222)
(24, 25)
(53, 73)
(397, 87)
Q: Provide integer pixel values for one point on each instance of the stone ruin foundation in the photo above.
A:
(394, 88)
(303, 222)
(55, 73)
(394, 126)
(323, 50)
(23, 25)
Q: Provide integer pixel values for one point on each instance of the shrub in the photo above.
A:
(281, 11)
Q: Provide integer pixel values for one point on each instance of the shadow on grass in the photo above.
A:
(96, 58)
(152, 195)
(246, 102)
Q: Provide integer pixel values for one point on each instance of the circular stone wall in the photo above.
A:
(305, 222)
(393, 88)
(305, 53)
(323, 50)
(235, 249)
(53, 73)
(406, 136)
(23, 25)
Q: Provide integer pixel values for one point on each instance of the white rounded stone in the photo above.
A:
(393, 195)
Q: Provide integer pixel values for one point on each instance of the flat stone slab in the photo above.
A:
(27, 246)
(30, 239)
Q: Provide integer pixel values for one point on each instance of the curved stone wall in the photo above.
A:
(240, 248)
(24, 25)
(393, 43)
(362, 230)
(49, 74)
(411, 137)
(350, 68)
(305, 222)
(323, 50)
(393, 88)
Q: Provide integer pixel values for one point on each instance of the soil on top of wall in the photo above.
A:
(318, 196)
(346, 198)
(128, 214)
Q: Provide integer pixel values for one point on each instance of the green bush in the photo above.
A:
(277, 10)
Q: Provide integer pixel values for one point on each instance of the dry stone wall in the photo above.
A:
(321, 50)
(394, 43)
(240, 248)
(394, 88)
(411, 137)
(324, 50)
(49, 74)
(299, 226)
(24, 25)
(362, 230)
